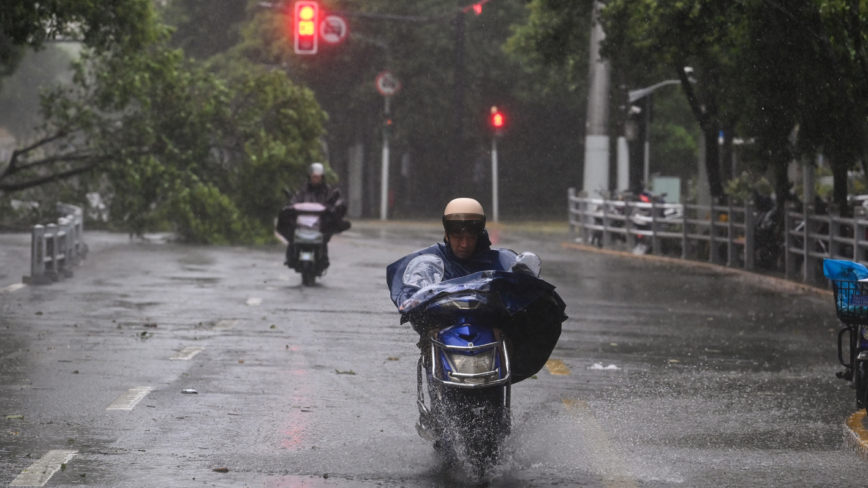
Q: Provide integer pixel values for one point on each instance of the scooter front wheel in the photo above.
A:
(308, 276)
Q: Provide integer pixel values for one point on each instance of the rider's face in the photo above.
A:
(462, 243)
(315, 180)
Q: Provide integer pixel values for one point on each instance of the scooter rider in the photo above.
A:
(465, 249)
(315, 191)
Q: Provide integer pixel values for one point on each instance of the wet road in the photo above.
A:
(665, 375)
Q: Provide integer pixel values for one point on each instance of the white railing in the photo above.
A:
(729, 235)
(57, 248)
(810, 238)
(718, 234)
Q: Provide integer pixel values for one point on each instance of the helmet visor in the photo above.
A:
(456, 223)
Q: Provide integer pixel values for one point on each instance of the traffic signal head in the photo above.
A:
(498, 121)
(305, 24)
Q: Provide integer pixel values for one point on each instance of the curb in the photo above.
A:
(769, 282)
(855, 435)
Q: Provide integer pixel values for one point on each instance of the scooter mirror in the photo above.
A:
(527, 263)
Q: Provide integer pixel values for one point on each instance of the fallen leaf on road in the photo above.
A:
(241, 361)
(221, 470)
(15, 417)
(38, 313)
(390, 358)
(150, 325)
(345, 372)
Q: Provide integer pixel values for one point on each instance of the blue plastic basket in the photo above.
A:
(851, 301)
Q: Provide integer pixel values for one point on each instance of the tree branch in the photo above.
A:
(701, 115)
(13, 187)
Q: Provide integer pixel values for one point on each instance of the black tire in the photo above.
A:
(478, 424)
(308, 274)
(860, 381)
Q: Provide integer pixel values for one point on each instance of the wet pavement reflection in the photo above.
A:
(665, 374)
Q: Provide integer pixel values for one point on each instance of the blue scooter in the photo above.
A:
(472, 329)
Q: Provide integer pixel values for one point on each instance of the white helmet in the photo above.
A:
(316, 169)
(464, 214)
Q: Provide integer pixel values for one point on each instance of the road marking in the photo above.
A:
(130, 398)
(12, 287)
(254, 302)
(225, 324)
(42, 470)
(557, 367)
(186, 354)
(598, 448)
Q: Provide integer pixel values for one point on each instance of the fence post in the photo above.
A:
(37, 258)
(51, 252)
(806, 244)
(629, 238)
(730, 245)
(607, 236)
(789, 242)
(684, 209)
(834, 230)
(655, 239)
(749, 244)
(64, 266)
(712, 254)
(571, 194)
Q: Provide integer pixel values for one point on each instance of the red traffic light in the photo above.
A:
(497, 119)
(305, 29)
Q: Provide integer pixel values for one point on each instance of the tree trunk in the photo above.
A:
(712, 161)
(839, 188)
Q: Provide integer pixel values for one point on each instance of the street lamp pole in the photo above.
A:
(645, 93)
(494, 195)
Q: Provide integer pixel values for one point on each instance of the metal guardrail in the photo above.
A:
(810, 238)
(57, 248)
(724, 235)
(719, 234)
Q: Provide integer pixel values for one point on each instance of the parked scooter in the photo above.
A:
(307, 252)
(476, 342)
(850, 287)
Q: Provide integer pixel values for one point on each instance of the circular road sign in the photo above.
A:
(387, 84)
(333, 29)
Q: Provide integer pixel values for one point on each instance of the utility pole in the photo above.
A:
(596, 136)
(384, 176)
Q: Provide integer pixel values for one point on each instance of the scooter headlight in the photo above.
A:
(482, 362)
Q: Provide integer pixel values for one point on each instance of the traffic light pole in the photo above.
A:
(494, 195)
(384, 177)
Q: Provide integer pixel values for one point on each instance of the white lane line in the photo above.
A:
(42, 470)
(225, 324)
(599, 449)
(254, 302)
(12, 287)
(186, 354)
(130, 398)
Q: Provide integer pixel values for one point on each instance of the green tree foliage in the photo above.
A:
(99, 24)
(791, 76)
(173, 144)
(537, 155)
(204, 28)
